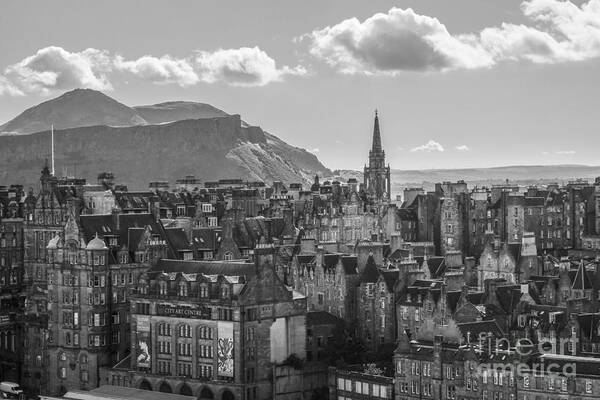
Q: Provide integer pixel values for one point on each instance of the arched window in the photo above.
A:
(225, 291)
(145, 385)
(228, 256)
(165, 388)
(203, 290)
(227, 395)
(164, 329)
(185, 330)
(206, 394)
(183, 289)
(186, 390)
(162, 287)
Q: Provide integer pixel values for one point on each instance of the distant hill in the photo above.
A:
(77, 108)
(177, 111)
(141, 144)
(516, 174)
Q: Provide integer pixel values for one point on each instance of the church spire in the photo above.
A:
(376, 135)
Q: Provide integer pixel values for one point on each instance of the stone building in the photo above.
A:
(376, 303)
(12, 298)
(327, 280)
(93, 266)
(377, 175)
(219, 329)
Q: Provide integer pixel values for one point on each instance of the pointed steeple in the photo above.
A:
(376, 135)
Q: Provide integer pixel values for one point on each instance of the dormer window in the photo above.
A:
(183, 289)
(225, 291)
(162, 288)
(204, 290)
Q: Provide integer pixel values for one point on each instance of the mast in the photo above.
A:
(52, 135)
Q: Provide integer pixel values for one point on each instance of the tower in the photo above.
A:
(377, 174)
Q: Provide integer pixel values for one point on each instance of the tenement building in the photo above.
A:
(214, 329)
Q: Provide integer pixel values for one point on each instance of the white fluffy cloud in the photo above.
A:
(402, 40)
(462, 147)
(429, 147)
(246, 66)
(56, 68)
(163, 69)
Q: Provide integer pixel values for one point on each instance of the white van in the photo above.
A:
(11, 389)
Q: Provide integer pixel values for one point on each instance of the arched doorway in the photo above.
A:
(206, 394)
(165, 388)
(145, 385)
(186, 390)
(227, 395)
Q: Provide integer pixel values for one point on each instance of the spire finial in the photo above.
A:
(376, 135)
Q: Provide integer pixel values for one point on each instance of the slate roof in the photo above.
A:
(103, 225)
(371, 273)
(230, 268)
(306, 258)
(321, 318)
(177, 239)
(390, 277)
(350, 264)
(437, 266)
(582, 280)
(205, 238)
(330, 260)
(477, 327)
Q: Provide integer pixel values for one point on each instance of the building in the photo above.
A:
(365, 381)
(216, 329)
(377, 175)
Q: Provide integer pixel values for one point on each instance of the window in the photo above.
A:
(185, 330)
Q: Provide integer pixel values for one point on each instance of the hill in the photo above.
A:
(141, 144)
(77, 108)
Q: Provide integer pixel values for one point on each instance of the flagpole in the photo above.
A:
(52, 133)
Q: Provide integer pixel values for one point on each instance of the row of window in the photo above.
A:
(365, 388)
(185, 369)
(184, 330)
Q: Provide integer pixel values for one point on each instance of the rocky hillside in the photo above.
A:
(150, 148)
(177, 111)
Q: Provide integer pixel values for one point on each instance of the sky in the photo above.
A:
(462, 83)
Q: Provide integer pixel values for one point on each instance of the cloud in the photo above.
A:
(429, 147)
(564, 152)
(54, 68)
(246, 66)
(559, 152)
(462, 147)
(163, 69)
(7, 88)
(402, 40)
(314, 151)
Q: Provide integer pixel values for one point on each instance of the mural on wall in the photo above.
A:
(225, 349)
(142, 345)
